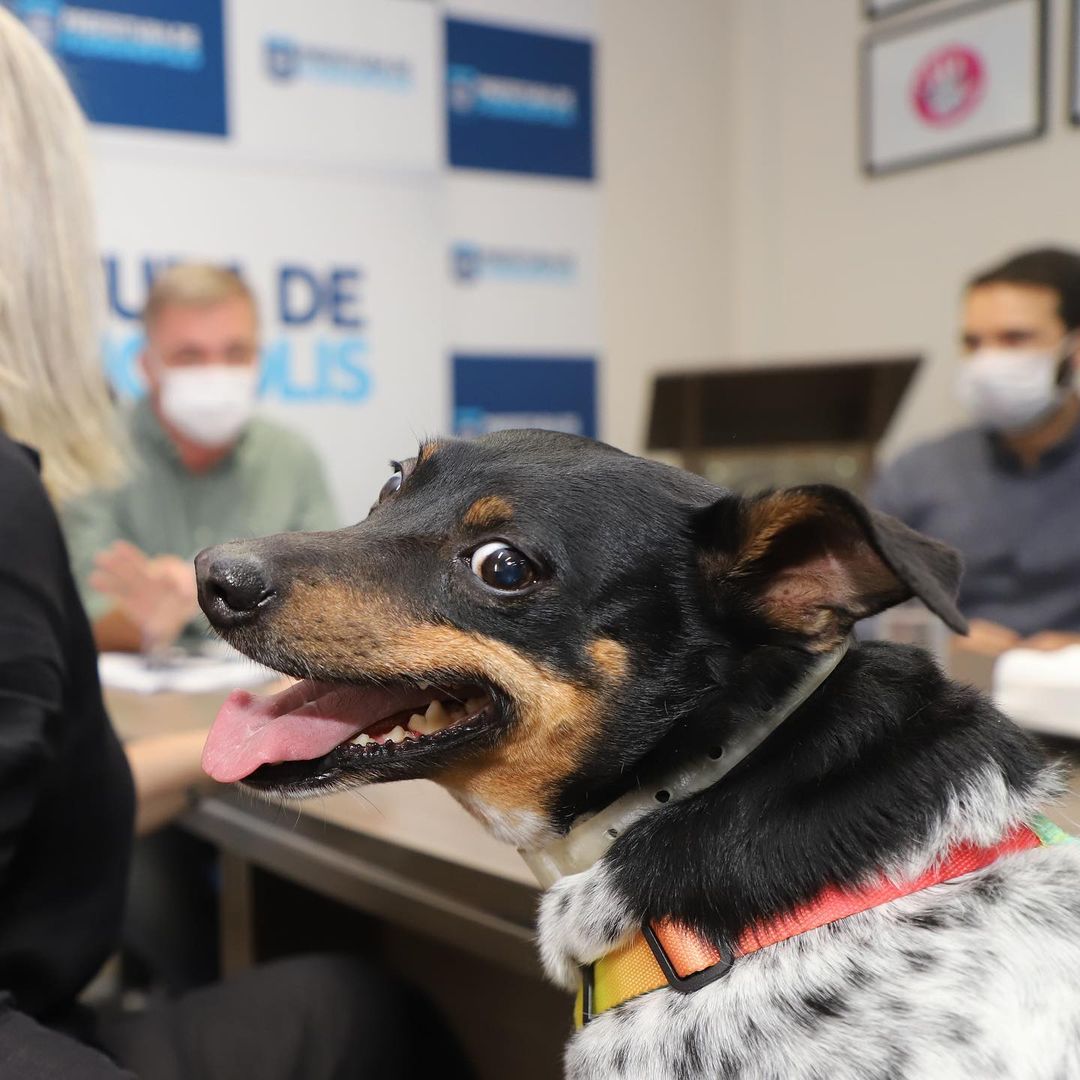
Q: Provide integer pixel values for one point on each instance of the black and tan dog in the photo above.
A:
(562, 634)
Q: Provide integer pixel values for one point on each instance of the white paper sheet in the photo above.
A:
(188, 675)
(1040, 690)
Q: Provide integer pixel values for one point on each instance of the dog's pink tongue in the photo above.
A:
(302, 722)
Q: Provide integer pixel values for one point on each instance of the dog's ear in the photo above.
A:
(814, 560)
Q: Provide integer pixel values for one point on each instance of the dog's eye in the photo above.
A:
(390, 486)
(502, 567)
(401, 471)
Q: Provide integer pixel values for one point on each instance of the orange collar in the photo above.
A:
(667, 953)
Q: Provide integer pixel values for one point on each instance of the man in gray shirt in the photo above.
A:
(1006, 491)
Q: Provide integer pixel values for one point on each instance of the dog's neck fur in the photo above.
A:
(587, 840)
(883, 769)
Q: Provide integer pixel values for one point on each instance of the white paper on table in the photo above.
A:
(1040, 690)
(189, 675)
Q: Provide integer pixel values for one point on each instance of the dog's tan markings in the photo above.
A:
(765, 520)
(610, 657)
(772, 515)
(427, 451)
(330, 625)
(488, 513)
(829, 573)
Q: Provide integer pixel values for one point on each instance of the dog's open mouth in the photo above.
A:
(315, 733)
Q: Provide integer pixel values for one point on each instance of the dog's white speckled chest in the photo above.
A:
(977, 978)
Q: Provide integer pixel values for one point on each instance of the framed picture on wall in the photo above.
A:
(1074, 64)
(964, 81)
(875, 9)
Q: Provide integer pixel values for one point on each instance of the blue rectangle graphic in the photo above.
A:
(492, 393)
(519, 101)
(139, 63)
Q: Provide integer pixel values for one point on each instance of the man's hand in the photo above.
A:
(158, 595)
(987, 638)
(1050, 641)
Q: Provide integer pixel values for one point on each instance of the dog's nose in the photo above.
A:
(234, 586)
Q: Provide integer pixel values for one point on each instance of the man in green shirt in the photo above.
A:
(204, 470)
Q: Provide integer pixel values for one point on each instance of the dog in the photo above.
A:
(648, 684)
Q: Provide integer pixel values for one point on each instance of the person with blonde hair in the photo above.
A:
(204, 468)
(67, 797)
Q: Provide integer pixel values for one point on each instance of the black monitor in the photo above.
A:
(774, 423)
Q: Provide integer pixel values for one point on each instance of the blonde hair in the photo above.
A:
(194, 285)
(53, 393)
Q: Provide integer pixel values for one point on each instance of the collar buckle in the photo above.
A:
(692, 980)
(588, 993)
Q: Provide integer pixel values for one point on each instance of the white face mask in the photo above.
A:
(209, 403)
(1010, 389)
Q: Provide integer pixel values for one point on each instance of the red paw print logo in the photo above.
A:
(949, 85)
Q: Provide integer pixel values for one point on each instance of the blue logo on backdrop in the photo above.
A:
(473, 93)
(282, 58)
(473, 263)
(288, 60)
(330, 364)
(492, 393)
(140, 63)
(518, 101)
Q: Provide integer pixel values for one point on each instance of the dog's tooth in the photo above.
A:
(424, 685)
(362, 739)
(418, 723)
(475, 705)
(397, 735)
(436, 717)
(455, 710)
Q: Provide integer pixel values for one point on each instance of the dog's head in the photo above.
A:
(532, 618)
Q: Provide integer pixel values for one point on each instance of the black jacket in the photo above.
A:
(66, 796)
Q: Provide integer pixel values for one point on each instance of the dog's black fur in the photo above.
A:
(858, 776)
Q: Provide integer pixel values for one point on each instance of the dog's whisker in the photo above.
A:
(359, 794)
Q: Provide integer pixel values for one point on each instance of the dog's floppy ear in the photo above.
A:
(813, 560)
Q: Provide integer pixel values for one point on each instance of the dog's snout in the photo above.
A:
(234, 586)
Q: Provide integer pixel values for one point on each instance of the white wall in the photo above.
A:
(665, 130)
(740, 225)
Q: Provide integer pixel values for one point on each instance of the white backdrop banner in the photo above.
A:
(522, 264)
(340, 84)
(349, 283)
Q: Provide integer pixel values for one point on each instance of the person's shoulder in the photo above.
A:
(271, 440)
(21, 487)
(28, 521)
(950, 448)
(929, 473)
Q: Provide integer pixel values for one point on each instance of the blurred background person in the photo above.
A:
(1006, 490)
(204, 469)
(69, 792)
